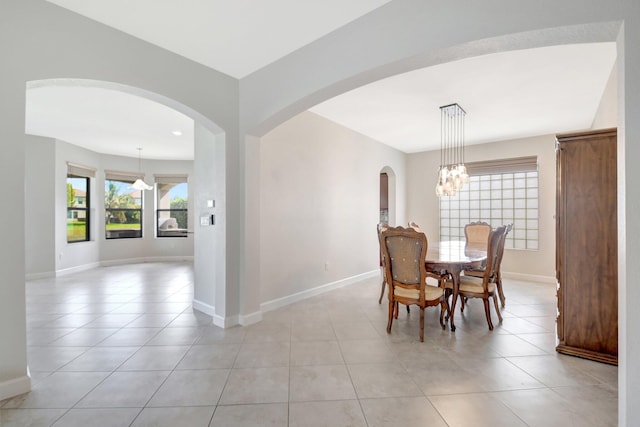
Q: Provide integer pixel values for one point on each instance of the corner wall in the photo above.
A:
(422, 171)
(320, 192)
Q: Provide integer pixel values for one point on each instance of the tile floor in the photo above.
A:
(121, 346)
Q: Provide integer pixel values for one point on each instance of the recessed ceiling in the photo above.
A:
(506, 95)
(236, 37)
(109, 121)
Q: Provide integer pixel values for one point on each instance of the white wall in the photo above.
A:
(536, 265)
(607, 114)
(40, 216)
(320, 189)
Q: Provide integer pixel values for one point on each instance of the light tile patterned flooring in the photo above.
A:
(120, 346)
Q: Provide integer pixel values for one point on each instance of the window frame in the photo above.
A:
(86, 209)
(124, 233)
(161, 180)
(499, 192)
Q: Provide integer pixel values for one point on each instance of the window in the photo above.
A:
(77, 209)
(123, 206)
(171, 205)
(499, 192)
(78, 202)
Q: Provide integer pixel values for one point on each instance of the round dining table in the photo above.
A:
(453, 257)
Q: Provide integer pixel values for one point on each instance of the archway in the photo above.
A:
(387, 196)
(208, 193)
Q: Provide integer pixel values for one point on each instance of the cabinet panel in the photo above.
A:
(586, 246)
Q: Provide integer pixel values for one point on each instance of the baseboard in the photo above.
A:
(204, 308)
(107, 263)
(299, 296)
(77, 269)
(15, 387)
(250, 319)
(39, 276)
(226, 322)
(529, 277)
(125, 261)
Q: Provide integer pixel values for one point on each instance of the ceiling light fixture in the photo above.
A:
(452, 174)
(140, 184)
(177, 132)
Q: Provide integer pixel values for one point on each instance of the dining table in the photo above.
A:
(453, 257)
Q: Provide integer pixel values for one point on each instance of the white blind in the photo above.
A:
(494, 167)
(122, 176)
(80, 170)
(170, 178)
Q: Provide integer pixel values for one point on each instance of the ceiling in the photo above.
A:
(506, 95)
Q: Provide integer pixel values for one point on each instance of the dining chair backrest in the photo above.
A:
(477, 233)
(405, 250)
(493, 254)
(503, 240)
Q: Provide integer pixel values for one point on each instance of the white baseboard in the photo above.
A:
(77, 269)
(226, 322)
(204, 308)
(15, 387)
(38, 276)
(529, 277)
(107, 263)
(299, 296)
(250, 319)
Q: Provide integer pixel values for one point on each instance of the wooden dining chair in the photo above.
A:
(477, 233)
(471, 287)
(479, 272)
(381, 227)
(405, 251)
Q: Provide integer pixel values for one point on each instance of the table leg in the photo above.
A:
(455, 276)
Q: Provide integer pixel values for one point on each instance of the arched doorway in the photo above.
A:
(387, 196)
(208, 194)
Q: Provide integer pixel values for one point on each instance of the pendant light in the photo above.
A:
(140, 184)
(452, 174)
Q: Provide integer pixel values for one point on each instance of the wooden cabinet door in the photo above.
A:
(587, 245)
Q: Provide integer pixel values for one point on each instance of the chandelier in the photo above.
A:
(452, 174)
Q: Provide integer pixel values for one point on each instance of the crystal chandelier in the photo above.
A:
(452, 174)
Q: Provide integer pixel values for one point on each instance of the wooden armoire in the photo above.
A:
(587, 245)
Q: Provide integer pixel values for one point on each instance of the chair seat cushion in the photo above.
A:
(430, 293)
(474, 273)
(471, 285)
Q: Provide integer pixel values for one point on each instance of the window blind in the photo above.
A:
(495, 167)
(122, 176)
(80, 170)
(170, 178)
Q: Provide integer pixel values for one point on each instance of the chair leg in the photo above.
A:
(487, 312)
(392, 307)
(500, 292)
(443, 306)
(384, 282)
(395, 311)
(495, 302)
(447, 294)
(421, 324)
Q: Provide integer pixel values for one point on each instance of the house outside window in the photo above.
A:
(172, 200)
(79, 202)
(77, 209)
(499, 192)
(123, 206)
